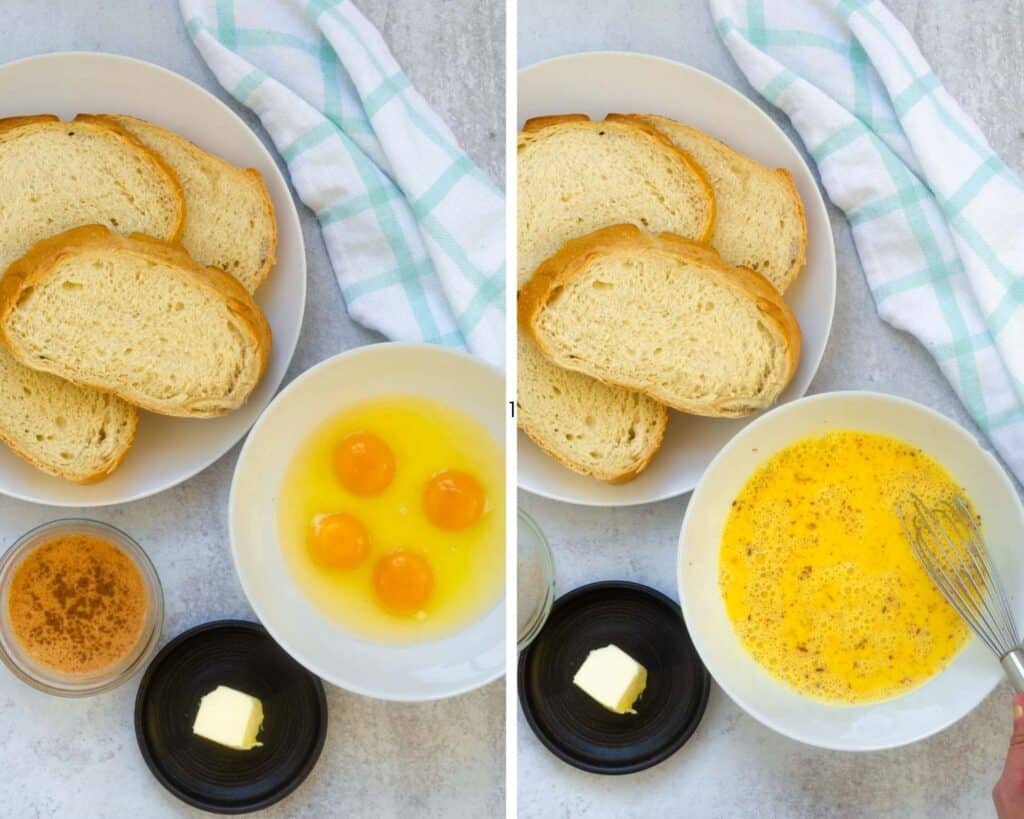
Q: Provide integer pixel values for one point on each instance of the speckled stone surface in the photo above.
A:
(62, 758)
(734, 767)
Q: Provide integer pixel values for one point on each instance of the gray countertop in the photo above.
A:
(62, 758)
(734, 767)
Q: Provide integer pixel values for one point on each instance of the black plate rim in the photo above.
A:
(157, 771)
(648, 762)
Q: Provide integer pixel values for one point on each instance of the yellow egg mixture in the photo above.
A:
(818, 580)
(392, 519)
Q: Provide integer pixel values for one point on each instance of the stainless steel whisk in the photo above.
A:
(948, 543)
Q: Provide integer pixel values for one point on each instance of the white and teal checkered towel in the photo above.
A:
(415, 231)
(937, 217)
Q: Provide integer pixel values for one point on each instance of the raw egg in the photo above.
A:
(338, 541)
(392, 521)
(365, 464)
(454, 499)
(403, 581)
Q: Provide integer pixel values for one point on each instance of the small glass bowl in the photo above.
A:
(535, 580)
(79, 685)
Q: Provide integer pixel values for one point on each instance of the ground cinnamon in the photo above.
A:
(77, 604)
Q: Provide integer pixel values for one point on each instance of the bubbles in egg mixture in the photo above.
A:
(818, 580)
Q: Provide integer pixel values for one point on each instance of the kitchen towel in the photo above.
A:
(937, 217)
(414, 229)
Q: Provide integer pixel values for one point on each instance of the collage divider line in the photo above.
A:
(511, 433)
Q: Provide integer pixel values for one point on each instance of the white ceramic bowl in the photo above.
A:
(167, 450)
(601, 82)
(919, 713)
(425, 671)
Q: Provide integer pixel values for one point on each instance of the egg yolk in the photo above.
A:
(403, 581)
(338, 541)
(453, 500)
(364, 463)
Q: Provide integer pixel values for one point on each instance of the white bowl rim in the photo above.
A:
(288, 343)
(818, 203)
(698, 640)
(312, 665)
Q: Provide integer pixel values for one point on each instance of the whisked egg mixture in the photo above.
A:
(818, 580)
(392, 519)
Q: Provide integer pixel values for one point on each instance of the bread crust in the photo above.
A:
(534, 124)
(268, 207)
(784, 176)
(575, 256)
(10, 123)
(41, 259)
(115, 120)
(801, 257)
(537, 124)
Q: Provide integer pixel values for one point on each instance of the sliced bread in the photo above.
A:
(63, 429)
(54, 176)
(136, 317)
(229, 221)
(591, 428)
(665, 316)
(58, 175)
(759, 216)
(576, 175)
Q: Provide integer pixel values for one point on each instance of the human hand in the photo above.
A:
(1008, 793)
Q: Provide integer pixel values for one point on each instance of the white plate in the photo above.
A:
(611, 82)
(167, 451)
(433, 670)
(951, 694)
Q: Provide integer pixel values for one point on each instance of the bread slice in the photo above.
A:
(577, 175)
(590, 427)
(759, 221)
(136, 317)
(58, 175)
(63, 429)
(664, 316)
(54, 176)
(229, 221)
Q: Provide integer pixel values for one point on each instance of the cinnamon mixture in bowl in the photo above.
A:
(81, 607)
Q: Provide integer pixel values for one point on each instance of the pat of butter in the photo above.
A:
(613, 678)
(230, 718)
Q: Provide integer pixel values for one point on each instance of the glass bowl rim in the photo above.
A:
(540, 614)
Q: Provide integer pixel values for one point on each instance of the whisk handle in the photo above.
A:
(1013, 665)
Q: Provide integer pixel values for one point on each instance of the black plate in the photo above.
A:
(242, 656)
(649, 627)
